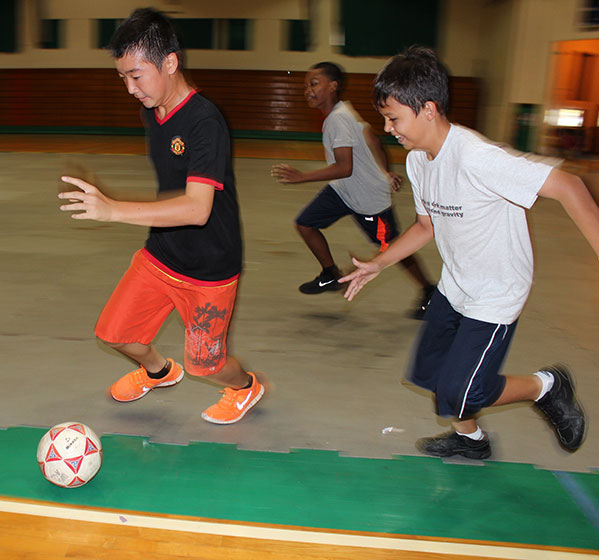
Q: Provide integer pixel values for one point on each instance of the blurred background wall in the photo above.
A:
(511, 52)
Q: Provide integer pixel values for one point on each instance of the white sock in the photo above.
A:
(547, 380)
(477, 436)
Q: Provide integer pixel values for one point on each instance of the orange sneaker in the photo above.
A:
(234, 405)
(136, 383)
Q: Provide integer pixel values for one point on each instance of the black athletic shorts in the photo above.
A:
(459, 359)
(327, 207)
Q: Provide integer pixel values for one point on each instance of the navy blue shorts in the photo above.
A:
(327, 207)
(459, 359)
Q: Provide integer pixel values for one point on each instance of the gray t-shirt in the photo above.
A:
(367, 189)
(476, 195)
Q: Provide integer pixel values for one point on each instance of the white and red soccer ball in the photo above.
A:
(69, 454)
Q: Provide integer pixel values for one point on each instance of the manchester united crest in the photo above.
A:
(177, 146)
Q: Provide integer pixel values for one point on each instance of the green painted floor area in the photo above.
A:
(506, 502)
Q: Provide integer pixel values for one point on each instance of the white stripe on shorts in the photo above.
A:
(478, 367)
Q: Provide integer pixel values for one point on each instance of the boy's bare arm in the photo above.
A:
(576, 199)
(413, 239)
(192, 207)
(343, 167)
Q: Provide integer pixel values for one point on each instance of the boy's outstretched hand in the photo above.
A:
(286, 174)
(364, 273)
(93, 204)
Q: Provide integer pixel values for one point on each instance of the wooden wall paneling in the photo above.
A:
(251, 100)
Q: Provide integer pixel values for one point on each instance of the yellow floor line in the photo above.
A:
(290, 535)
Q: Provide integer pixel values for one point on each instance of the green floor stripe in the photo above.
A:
(505, 502)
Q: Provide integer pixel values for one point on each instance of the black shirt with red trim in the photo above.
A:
(192, 143)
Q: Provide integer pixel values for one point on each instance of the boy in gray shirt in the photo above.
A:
(359, 184)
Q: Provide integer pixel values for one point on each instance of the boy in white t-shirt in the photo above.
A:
(360, 184)
(471, 198)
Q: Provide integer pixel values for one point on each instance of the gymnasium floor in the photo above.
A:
(313, 455)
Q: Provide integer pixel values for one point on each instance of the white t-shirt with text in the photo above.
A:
(476, 195)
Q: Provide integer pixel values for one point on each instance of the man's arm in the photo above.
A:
(413, 239)
(343, 167)
(572, 194)
(192, 207)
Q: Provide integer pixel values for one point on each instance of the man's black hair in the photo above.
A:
(333, 72)
(148, 32)
(412, 78)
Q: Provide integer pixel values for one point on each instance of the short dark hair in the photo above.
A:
(148, 32)
(412, 78)
(332, 71)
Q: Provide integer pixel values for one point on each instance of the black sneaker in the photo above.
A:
(418, 312)
(324, 282)
(450, 443)
(562, 409)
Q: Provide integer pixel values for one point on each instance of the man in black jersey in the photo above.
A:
(192, 258)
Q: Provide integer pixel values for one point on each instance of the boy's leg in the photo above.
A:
(206, 313)
(468, 380)
(232, 375)
(519, 388)
(134, 312)
(433, 344)
(242, 391)
(516, 389)
(145, 355)
(139, 382)
(325, 209)
(318, 245)
(437, 337)
(382, 229)
(552, 390)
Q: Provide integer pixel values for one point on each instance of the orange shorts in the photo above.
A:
(144, 298)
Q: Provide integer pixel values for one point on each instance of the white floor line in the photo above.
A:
(289, 535)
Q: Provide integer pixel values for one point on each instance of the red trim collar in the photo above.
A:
(173, 111)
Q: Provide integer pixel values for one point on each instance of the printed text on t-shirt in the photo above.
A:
(447, 211)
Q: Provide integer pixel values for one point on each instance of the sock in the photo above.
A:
(547, 380)
(162, 373)
(477, 436)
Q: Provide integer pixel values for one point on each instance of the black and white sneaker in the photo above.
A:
(418, 311)
(562, 409)
(450, 444)
(324, 282)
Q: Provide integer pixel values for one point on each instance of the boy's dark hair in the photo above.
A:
(148, 32)
(332, 72)
(412, 78)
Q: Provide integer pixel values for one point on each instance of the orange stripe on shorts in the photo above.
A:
(381, 234)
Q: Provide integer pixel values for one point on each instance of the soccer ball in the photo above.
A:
(69, 454)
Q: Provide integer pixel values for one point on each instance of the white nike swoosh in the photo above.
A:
(243, 402)
(323, 284)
